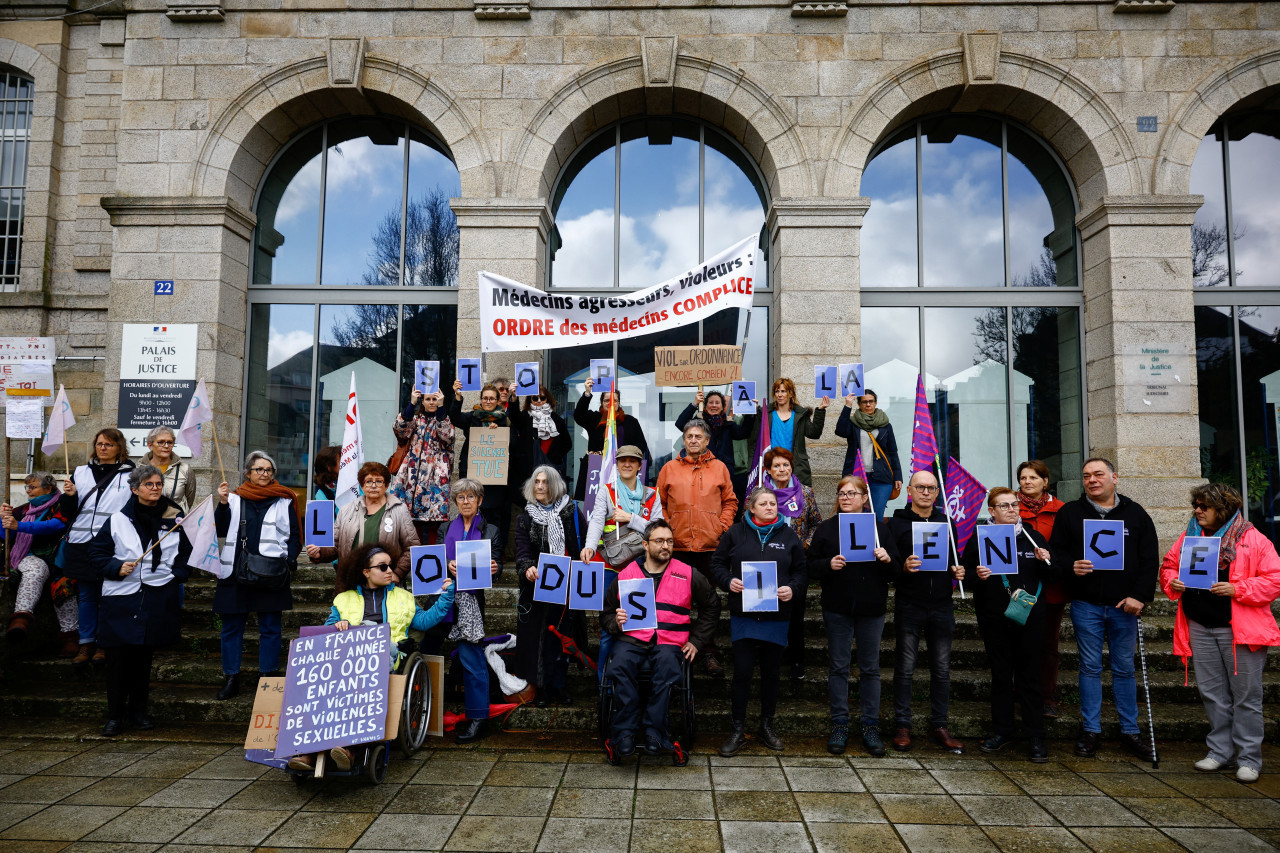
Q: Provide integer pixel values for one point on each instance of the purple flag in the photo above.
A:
(924, 447)
(858, 469)
(763, 444)
(964, 499)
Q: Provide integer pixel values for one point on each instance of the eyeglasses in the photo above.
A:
(465, 496)
(848, 494)
(661, 541)
(104, 444)
(374, 482)
(382, 567)
(1199, 507)
(262, 470)
(151, 485)
(488, 399)
(924, 490)
(162, 442)
(1013, 505)
(866, 402)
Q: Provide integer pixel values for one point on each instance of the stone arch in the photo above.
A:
(724, 97)
(285, 101)
(1074, 120)
(1208, 101)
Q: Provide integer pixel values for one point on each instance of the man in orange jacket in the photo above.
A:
(698, 500)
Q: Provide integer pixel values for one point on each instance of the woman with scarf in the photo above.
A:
(543, 436)
(790, 426)
(179, 478)
(718, 417)
(423, 479)
(142, 560)
(758, 637)
(550, 524)
(89, 498)
(1038, 509)
(1226, 629)
(468, 615)
(34, 530)
(869, 432)
(262, 517)
(373, 517)
(595, 423)
(491, 413)
(798, 506)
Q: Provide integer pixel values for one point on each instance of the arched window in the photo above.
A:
(355, 270)
(16, 99)
(1235, 250)
(964, 209)
(640, 201)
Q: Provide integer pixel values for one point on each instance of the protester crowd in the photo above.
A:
(110, 554)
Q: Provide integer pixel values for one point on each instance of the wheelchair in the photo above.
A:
(683, 720)
(415, 715)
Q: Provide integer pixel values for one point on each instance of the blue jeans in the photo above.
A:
(843, 632)
(880, 497)
(233, 641)
(936, 622)
(1093, 623)
(606, 648)
(90, 592)
(475, 680)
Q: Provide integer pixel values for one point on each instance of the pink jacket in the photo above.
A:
(1256, 576)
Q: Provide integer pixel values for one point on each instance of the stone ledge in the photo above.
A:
(1131, 6)
(167, 211)
(1148, 210)
(819, 9)
(502, 213)
(194, 11)
(54, 301)
(502, 11)
(816, 213)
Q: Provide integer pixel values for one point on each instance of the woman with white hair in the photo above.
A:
(179, 478)
(550, 524)
(263, 537)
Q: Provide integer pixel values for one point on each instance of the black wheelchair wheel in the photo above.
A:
(604, 710)
(375, 769)
(415, 715)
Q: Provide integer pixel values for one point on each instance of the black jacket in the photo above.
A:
(859, 589)
(464, 421)
(741, 544)
(878, 470)
(706, 601)
(722, 439)
(629, 432)
(1141, 553)
(989, 596)
(526, 447)
(919, 587)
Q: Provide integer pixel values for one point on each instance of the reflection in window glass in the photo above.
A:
(431, 239)
(289, 215)
(430, 334)
(1216, 393)
(278, 397)
(359, 339)
(891, 361)
(1260, 379)
(1255, 186)
(659, 217)
(364, 188)
(733, 205)
(887, 244)
(584, 223)
(1041, 216)
(1046, 353)
(962, 222)
(1209, 232)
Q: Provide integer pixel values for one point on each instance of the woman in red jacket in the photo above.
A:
(1038, 509)
(1227, 628)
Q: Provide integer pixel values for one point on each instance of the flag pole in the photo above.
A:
(218, 450)
(946, 507)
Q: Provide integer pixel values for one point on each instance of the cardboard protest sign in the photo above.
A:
(760, 587)
(602, 373)
(998, 548)
(435, 719)
(475, 570)
(489, 458)
(636, 597)
(676, 367)
(552, 585)
(335, 691)
(1198, 561)
(1104, 544)
(826, 381)
(428, 567)
(426, 376)
(929, 542)
(264, 723)
(527, 378)
(470, 374)
(851, 380)
(742, 397)
(319, 529)
(858, 536)
(586, 586)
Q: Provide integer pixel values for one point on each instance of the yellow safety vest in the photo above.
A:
(400, 610)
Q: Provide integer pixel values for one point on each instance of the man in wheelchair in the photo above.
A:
(677, 587)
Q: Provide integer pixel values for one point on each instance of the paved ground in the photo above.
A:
(534, 792)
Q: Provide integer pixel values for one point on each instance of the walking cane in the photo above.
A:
(1146, 684)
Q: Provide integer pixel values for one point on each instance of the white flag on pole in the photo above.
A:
(197, 413)
(202, 530)
(348, 489)
(60, 420)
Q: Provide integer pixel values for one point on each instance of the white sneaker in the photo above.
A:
(1246, 774)
(1209, 764)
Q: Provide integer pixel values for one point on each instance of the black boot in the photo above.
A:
(473, 731)
(230, 688)
(768, 736)
(736, 740)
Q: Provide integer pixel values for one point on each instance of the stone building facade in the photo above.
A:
(155, 124)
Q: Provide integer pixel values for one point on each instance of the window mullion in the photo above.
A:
(404, 206)
(324, 175)
(617, 206)
(1226, 203)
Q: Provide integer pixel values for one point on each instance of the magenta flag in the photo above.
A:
(763, 443)
(965, 497)
(924, 446)
(858, 469)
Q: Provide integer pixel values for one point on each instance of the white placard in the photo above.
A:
(23, 418)
(158, 351)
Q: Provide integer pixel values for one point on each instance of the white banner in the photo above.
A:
(348, 487)
(514, 316)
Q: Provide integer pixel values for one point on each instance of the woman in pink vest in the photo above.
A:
(1227, 628)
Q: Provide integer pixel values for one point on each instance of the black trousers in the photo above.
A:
(624, 668)
(746, 655)
(128, 681)
(1014, 653)
(700, 560)
(795, 630)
